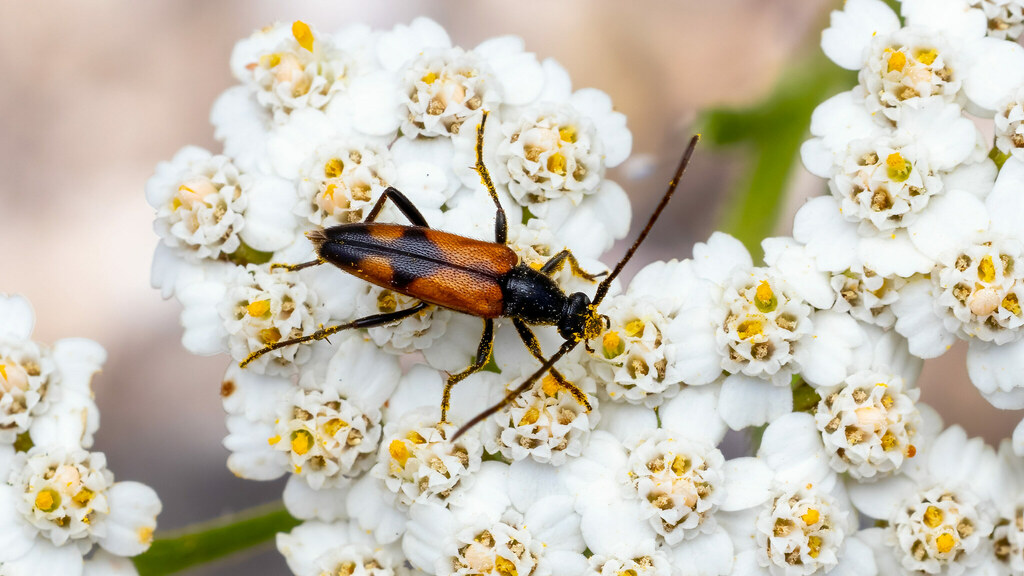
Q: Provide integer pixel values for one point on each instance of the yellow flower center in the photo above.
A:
(531, 417)
(811, 517)
(680, 465)
(926, 57)
(749, 328)
(505, 567)
(273, 440)
(549, 385)
(897, 60)
(567, 133)
(334, 425)
(897, 167)
(333, 168)
(415, 437)
(557, 164)
(302, 441)
(612, 344)
(635, 328)
(270, 335)
(429, 78)
(986, 270)
(1011, 304)
(932, 517)
(945, 542)
(83, 497)
(258, 308)
(47, 500)
(303, 35)
(764, 297)
(889, 441)
(399, 452)
(3, 371)
(813, 546)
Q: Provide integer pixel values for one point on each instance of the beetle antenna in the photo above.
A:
(602, 290)
(526, 384)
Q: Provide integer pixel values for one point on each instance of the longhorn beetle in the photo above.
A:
(484, 279)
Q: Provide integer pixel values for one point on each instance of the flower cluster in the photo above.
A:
(822, 343)
(58, 500)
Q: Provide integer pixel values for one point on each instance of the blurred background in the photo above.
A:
(94, 94)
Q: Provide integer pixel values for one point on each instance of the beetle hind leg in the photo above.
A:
(483, 354)
(324, 333)
(530, 340)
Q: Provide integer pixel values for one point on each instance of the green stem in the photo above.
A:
(207, 541)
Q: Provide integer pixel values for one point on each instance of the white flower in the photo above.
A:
(316, 548)
(58, 502)
(324, 431)
(938, 512)
(445, 88)
(261, 308)
(1005, 17)
(342, 180)
(513, 520)
(413, 333)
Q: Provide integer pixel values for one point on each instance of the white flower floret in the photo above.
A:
(938, 515)
(417, 332)
(869, 424)
(866, 296)
(641, 564)
(1005, 17)
(27, 383)
(342, 180)
(549, 151)
(546, 424)
(906, 67)
(512, 521)
(318, 549)
(261, 308)
(325, 431)
(800, 532)
(199, 199)
(1009, 125)
(58, 502)
(289, 67)
(443, 89)
(417, 462)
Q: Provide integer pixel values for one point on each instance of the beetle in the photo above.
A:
(476, 277)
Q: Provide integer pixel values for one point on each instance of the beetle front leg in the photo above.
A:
(557, 262)
(483, 354)
(530, 339)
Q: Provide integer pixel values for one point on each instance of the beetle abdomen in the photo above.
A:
(437, 267)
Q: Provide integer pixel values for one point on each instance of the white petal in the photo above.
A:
(719, 257)
(204, 329)
(269, 222)
(406, 42)
(1006, 203)
(974, 177)
(307, 541)
(818, 159)
(429, 525)
(953, 17)
(918, 322)
(553, 521)
(611, 125)
(45, 559)
(519, 73)
(360, 370)
(16, 318)
(252, 456)
(594, 225)
(706, 555)
(855, 559)
(613, 527)
(840, 120)
(1006, 400)
(327, 504)
(1018, 439)
(851, 30)
(102, 563)
(70, 422)
(880, 499)
(748, 483)
(557, 84)
(893, 255)
(792, 446)
(829, 237)
(994, 69)
(376, 97)
(956, 460)
(748, 401)
(529, 481)
(947, 134)
(694, 414)
(950, 221)
(692, 334)
(254, 396)
(993, 367)
(826, 354)
(16, 535)
(373, 507)
(132, 519)
(797, 264)
(746, 564)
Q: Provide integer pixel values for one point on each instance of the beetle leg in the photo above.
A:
(556, 262)
(483, 354)
(530, 339)
(500, 222)
(402, 202)
(294, 267)
(323, 333)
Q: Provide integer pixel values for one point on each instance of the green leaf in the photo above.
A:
(208, 541)
(246, 254)
(771, 132)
